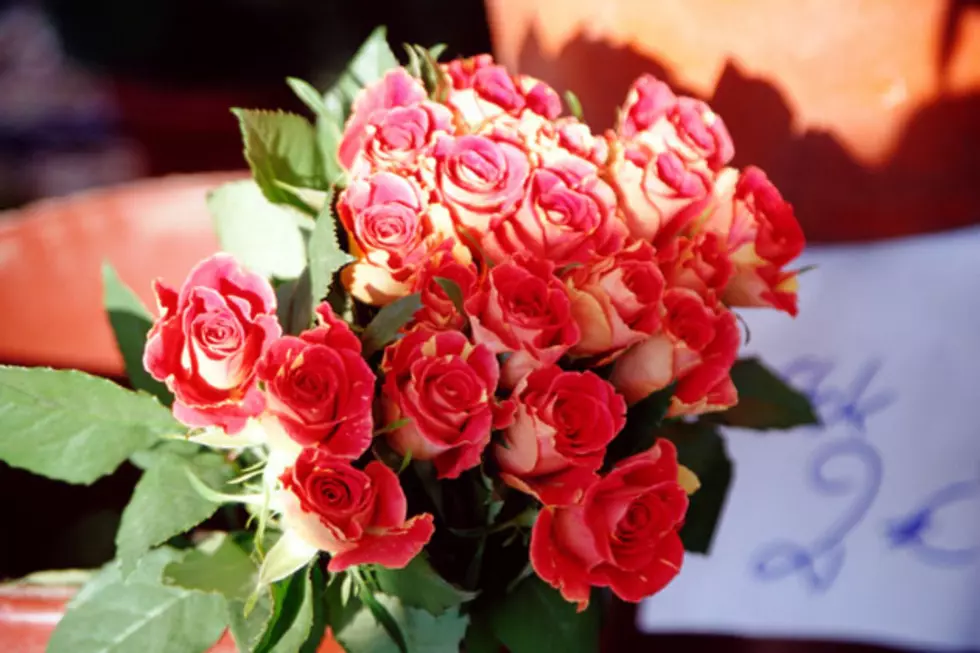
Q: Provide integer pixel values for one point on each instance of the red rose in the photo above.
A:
(438, 312)
(762, 235)
(480, 178)
(616, 301)
(208, 339)
(399, 138)
(396, 89)
(699, 262)
(462, 71)
(358, 517)
(562, 424)
(696, 348)
(523, 309)
(319, 389)
(623, 535)
(444, 386)
(568, 215)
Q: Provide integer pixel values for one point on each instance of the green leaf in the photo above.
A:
(383, 329)
(247, 630)
(517, 621)
(453, 292)
(574, 105)
(266, 238)
(218, 565)
(701, 448)
(140, 614)
(325, 255)
(642, 420)
(765, 401)
(480, 637)
(311, 97)
(321, 614)
(130, 323)
(328, 127)
(437, 51)
(281, 147)
(74, 427)
(424, 633)
(292, 616)
(371, 61)
(165, 504)
(294, 299)
(418, 585)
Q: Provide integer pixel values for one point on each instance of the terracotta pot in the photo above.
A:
(29, 614)
(865, 112)
(51, 254)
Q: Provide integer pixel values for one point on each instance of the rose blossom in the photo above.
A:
(568, 215)
(696, 348)
(576, 137)
(622, 535)
(523, 309)
(562, 424)
(208, 339)
(699, 262)
(319, 389)
(762, 236)
(483, 91)
(397, 139)
(616, 301)
(392, 229)
(358, 517)
(396, 89)
(480, 177)
(438, 311)
(444, 386)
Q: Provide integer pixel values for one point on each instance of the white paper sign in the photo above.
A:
(868, 528)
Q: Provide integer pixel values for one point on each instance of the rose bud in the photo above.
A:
(622, 535)
(438, 312)
(491, 92)
(696, 348)
(319, 389)
(444, 387)
(539, 97)
(208, 339)
(576, 138)
(616, 301)
(392, 229)
(524, 310)
(568, 215)
(699, 262)
(660, 193)
(398, 139)
(562, 424)
(358, 517)
(762, 236)
(480, 178)
(462, 71)
(665, 122)
(396, 89)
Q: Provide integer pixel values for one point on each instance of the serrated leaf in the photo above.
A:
(219, 566)
(765, 401)
(642, 420)
(516, 621)
(701, 448)
(424, 633)
(70, 426)
(130, 322)
(164, 503)
(383, 329)
(325, 255)
(266, 238)
(418, 585)
(292, 616)
(247, 630)
(140, 614)
(281, 147)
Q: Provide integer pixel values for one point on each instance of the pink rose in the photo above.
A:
(622, 535)
(208, 339)
(576, 138)
(480, 178)
(562, 424)
(524, 310)
(616, 301)
(358, 517)
(462, 71)
(319, 389)
(696, 348)
(539, 97)
(568, 215)
(762, 236)
(444, 386)
(699, 262)
(438, 312)
(484, 91)
(396, 89)
(399, 138)
(392, 229)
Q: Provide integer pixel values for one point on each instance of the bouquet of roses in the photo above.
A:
(462, 364)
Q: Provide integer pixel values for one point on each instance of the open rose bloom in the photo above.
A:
(512, 345)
